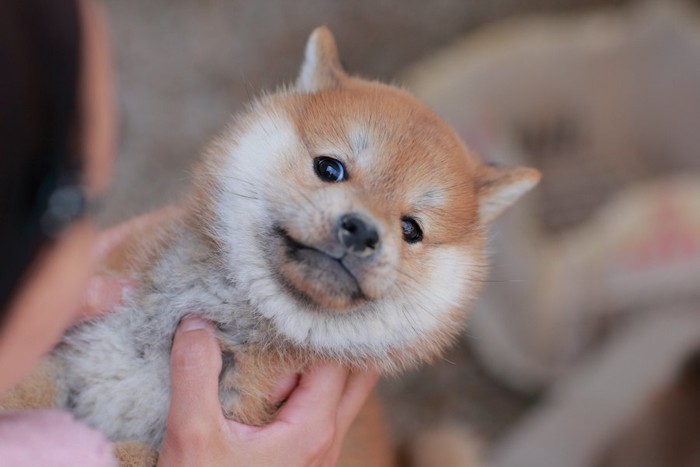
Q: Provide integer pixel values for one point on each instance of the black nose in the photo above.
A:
(358, 234)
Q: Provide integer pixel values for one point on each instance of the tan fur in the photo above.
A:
(133, 454)
(37, 391)
(367, 444)
(413, 133)
(417, 166)
(256, 373)
(139, 248)
(322, 46)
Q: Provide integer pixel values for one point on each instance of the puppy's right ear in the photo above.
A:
(499, 187)
(321, 68)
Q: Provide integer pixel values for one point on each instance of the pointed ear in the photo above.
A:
(321, 68)
(499, 187)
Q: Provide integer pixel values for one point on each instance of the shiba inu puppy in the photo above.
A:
(339, 219)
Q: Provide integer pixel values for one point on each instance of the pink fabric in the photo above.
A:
(51, 438)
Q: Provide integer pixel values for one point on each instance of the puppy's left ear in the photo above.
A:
(499, 187)
(321, 68)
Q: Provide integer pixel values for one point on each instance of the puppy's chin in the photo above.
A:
(314, 278)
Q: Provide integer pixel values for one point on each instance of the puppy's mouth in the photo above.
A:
(314, 276)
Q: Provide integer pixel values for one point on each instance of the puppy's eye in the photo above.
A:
(329, 169)
(412, 232)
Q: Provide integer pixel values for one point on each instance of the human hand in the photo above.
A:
(308, 431)
(104, 292)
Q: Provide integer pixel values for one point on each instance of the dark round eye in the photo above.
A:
(412, 232)
(329, 169)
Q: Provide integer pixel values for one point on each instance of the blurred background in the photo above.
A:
(582, 351)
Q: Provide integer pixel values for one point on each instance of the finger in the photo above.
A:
(102, 295)
(281, 391)
(110, 238)
(284, 387)
(315, 399)
(195, 364)
(357, 389)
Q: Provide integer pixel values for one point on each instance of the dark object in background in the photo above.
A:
(40, 63)
(668, 433)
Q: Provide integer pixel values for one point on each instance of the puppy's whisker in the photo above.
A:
(242, 195)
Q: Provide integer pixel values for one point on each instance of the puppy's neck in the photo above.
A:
(179, 272)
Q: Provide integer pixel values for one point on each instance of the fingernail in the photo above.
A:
(189, 324)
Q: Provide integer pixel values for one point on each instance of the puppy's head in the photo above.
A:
(353, 216)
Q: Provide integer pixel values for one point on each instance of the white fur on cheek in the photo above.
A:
(252, 167)
(451, 274)
(407, 315)
(255, 168)
(446, 287)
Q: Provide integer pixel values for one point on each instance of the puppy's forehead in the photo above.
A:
(390, 139)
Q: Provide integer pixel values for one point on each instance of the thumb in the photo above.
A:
(195, 363)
